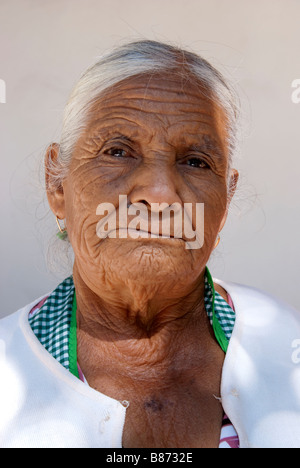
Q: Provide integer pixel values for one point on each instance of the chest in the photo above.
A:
(161, 421)
(183, 414)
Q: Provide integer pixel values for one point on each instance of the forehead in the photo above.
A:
(162, 102)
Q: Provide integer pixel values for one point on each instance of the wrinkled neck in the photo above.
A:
(133, 310)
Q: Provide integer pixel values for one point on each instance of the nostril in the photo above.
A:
(145, 204)
(139, 201)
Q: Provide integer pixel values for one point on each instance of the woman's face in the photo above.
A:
(153, 140)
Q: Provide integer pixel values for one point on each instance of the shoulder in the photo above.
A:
(243, 293)
(57, 296)
(260, 380)
(257, 309)
(9, 323)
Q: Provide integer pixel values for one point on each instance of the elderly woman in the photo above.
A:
(140, 347)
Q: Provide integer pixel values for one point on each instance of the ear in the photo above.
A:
(54, 188)
(231, 191)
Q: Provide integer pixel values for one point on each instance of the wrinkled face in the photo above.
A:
(154, 140)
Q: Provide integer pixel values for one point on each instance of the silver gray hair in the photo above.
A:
(133, 59)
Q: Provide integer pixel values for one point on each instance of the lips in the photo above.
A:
(157, 225)
(139, 233)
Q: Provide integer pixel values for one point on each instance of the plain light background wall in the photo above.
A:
(44, 47)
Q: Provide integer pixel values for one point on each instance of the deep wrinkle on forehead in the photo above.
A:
(136, 96)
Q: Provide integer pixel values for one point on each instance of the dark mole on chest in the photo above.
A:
(155, 405)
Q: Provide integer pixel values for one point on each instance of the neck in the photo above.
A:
(140, 341)
(137, 308)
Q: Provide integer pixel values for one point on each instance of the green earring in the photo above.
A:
(62, 233)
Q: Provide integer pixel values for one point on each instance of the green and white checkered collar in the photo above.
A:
(54, 323)
(51, 323)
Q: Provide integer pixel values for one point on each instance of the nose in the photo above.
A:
(155, 185)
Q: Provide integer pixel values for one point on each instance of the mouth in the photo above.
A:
(139, 234)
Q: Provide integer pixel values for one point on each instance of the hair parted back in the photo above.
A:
(136, 58)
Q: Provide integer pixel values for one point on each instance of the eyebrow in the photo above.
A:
(123, 138)
(208, 145)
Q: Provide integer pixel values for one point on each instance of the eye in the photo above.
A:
(117, 152)
(197, 162)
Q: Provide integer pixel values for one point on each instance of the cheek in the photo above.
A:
(215, 205)
(81, 195)
(86, 187)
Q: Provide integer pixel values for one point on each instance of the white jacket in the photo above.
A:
(42, 405)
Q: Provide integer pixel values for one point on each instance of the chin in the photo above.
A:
(148, 262)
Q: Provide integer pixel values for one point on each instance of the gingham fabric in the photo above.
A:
(51, 322)
(224, 313)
